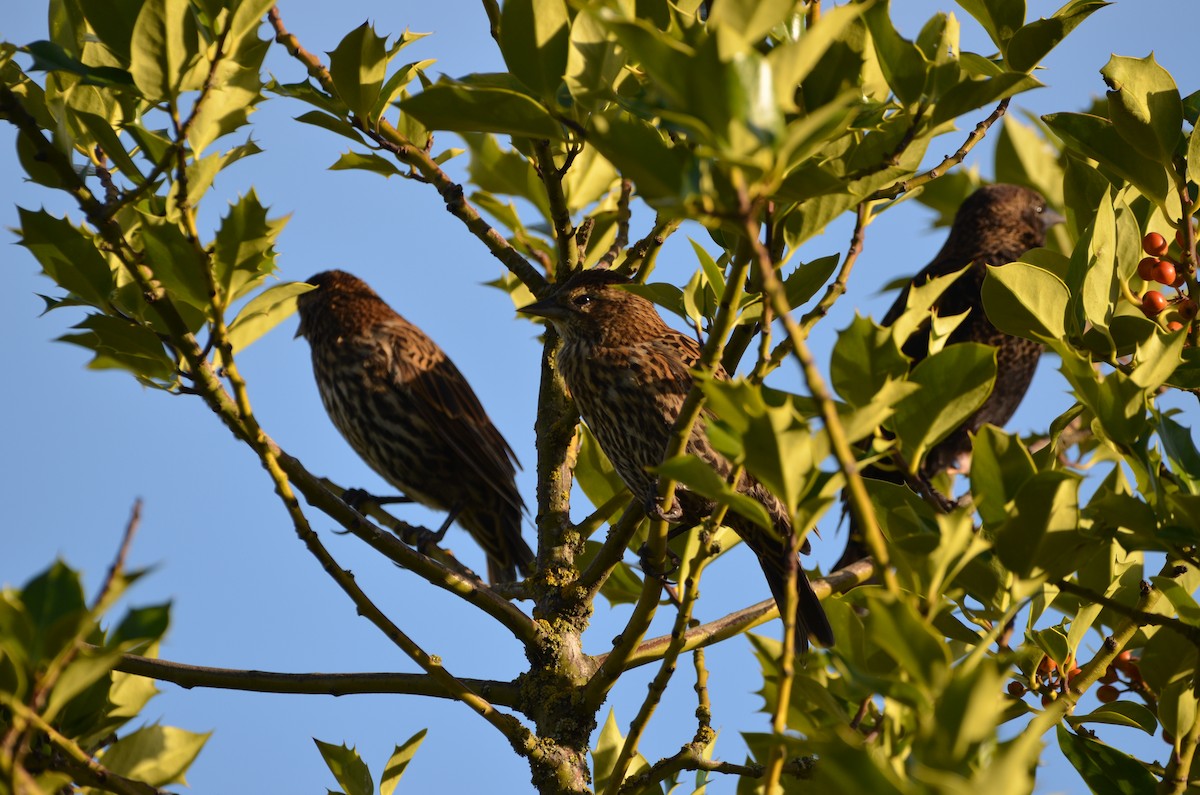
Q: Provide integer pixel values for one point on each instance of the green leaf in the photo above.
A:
(348, 768)
(243, 253)
(396, 85)
(460, 108)
(1026, 301)
(663, 173)
(1000, 18)
(1106, 770)
(1144, 105)
(165, 50)
(332, 123)
(762, 428)
(865, 357)
(1000, 466)
(357, 67)
(907, 638)
(68, 255)
(54, 596)
(1118, 402)
(157, 755)
(50, 57)
(106, 137)
(1041, 533)
(954, 384)
(123, 344)
(1119, 713)
(1034, 41)
(533, 41)
(904, 65)
(594, 61)
(398, 763)
(366, 161)
(236, 90)
(793, 61)
(175, 262)
(802, 283)
(113, 21)
(88, 668)
(608, 748)
(700, 478)
(1098, 139)
(1024, 157)
(506, 172)
(264, 312)
(1177, 706)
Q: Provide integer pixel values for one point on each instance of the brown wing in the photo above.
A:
(446, 402)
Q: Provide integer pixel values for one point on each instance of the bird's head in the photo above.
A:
(1012, 216)
(593, 306)
(334, 289)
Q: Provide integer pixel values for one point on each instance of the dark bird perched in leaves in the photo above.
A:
(995, 225)
(409, 413)
(629, 374)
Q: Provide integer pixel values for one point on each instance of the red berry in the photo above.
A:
(1187, 309)
(1153, 302)
(1146, 268)
(1074, 672)
(1107, 694)
(1049, 698)
(1154, 244)
(1109, 676)
(1016, 689)
(1174, 325)
(1163, 272)
(1180, 280)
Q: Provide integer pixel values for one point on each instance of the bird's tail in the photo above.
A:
(499, 533)
(810, 621)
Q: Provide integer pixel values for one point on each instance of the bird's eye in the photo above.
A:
(1040, 209)
(581, 300)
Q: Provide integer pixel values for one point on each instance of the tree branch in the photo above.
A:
(339, 684)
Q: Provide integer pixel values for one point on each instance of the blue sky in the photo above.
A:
(82, 445)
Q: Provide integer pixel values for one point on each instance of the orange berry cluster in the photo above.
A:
(1050, 679)
(1159, 266)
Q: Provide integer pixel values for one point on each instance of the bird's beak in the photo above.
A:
(548, 308)
(1050, 218)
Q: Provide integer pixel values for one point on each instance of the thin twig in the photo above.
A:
(117, 567)
(948, 162)
(622, 237)
(639, 262)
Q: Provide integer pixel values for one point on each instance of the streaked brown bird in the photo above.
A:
(629, 373)
(995, 225)
(411, 415)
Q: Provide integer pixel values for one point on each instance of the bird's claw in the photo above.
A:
(654, 511)
(672, 564)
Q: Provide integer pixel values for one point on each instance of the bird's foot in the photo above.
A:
(661, 574)
(356, 498)
(655, 511)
